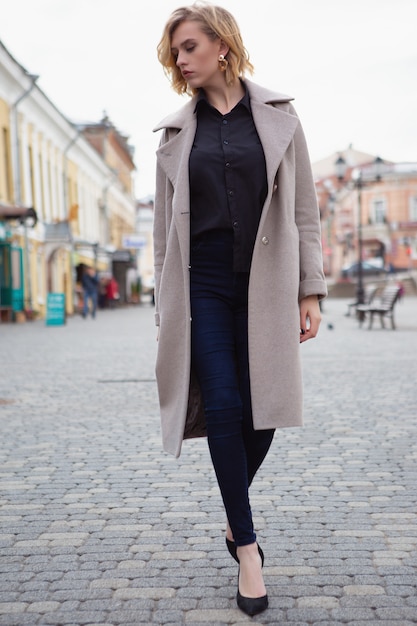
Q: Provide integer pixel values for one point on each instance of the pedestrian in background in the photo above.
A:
(89, 283)
(102, 291)
(112, 292)
(238, 266)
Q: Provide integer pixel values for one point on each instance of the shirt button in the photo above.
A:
(235, 224)
(227, 164)
(265, 241)
(231, 193)
(226, 142)
(224, 121)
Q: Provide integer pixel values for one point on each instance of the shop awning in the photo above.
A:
(10, 212)
(122, 256)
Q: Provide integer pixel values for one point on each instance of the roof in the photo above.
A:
(326, 167)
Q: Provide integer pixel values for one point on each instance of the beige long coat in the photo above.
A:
(286, 267)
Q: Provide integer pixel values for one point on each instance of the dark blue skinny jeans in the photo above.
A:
(219, 310)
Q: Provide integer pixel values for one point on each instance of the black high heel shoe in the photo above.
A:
(251, 606)
(231, 546)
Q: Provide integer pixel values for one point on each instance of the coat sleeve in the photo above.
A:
(307, 217)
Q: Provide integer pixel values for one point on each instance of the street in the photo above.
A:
(100, 527)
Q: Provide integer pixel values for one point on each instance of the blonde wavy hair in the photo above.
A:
(216, 23)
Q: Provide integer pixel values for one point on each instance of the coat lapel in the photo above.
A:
(173, 154)
(173, 157)
(276, 129)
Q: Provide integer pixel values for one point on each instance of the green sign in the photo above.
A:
(55, 309)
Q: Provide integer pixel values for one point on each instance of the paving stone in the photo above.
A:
(155, 593)
(363, 590)
(323, 602)
(353, 614)
(43, 607)
(17, 619)
(100, 527)
(12, 607)
(310, 614)
(218, 616)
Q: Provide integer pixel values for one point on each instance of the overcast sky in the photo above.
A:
(351, 66)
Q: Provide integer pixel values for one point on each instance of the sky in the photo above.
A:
(351, 66)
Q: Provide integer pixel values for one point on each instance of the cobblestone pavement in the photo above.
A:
(100, 527)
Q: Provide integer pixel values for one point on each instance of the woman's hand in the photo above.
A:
(310, 318)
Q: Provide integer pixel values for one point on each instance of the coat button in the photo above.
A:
(265, 241)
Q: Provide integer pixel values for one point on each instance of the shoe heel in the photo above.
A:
(231, 546)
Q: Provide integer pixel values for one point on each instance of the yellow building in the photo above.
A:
(81, 199)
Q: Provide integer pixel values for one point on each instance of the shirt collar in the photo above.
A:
(202, 97)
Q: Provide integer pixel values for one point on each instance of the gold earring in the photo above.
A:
(223, 63)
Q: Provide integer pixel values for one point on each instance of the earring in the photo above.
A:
(223, 63)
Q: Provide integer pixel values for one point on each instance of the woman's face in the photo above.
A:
(197, 56)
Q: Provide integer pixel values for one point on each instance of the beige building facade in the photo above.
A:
(374, 200)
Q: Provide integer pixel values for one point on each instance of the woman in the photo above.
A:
(238, 266)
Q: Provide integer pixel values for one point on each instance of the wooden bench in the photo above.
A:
(370, 291)
(382, 306)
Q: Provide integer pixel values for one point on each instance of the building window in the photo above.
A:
(413, 209)
(6, 157)
(32, 177)
(42, 185)
(379, 211)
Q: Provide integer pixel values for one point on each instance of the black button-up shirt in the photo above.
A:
(228, 183)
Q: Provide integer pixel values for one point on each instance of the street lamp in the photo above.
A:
(95, 252)
(358, 183)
